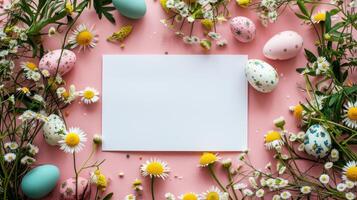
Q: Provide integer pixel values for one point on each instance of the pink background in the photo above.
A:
(151, 37)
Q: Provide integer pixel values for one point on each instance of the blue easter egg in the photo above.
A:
(317, 141)
(40, 181)
(133, 9)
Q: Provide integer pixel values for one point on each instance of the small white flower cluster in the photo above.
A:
(321, 66)
(12, 149)
(29, 115)
(268, 12)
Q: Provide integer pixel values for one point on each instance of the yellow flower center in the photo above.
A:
(88, 94)
(25, 90)
(243, 3)
(272, 136)
(212, 196)
(31, 66)
(298, 111)
(319, 17)
(208, 158)
(155, 168)
(84, 38)
(189, 196)
(69, 8)
(72, 139)
(351, 173)
(352, 113)
(65, 95)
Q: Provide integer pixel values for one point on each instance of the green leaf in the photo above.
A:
(310, 56)
(328, 22)
(301, 16)
(101, 8)
(109, 196)
(303, 8)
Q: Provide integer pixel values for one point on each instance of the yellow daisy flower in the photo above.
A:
(72, 141)
(208, 159)
(273, 139)
(350, 115)
(350, 172)
(189, 196)
(319, 17)
(155, 169)
(83, 37)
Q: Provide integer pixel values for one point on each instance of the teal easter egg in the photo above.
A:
(40, 181)
(317, 141)
(133, 9)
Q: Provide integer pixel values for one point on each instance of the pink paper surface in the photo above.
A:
(151, 37)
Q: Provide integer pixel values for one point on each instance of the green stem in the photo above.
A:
(230, 178)
(213, 174)
(152, 188)
(76, 174)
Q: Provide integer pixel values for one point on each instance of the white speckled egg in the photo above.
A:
(243, 29)
(261, 76)
(283, 46)
(317, 141)
(50, 61)
(53, 129)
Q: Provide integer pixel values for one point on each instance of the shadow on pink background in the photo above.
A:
(151, 37)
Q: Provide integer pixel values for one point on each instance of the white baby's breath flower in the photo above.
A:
(276, 197)
(9, 157)
(130, 197)
(227, 163)
(349, 184)
(239, 186)
(170, 196)
(11, 145)
(301, 135)
(328, 165)
(324, 179)
(259, 193)
(252, 182)
(247, 192)
(305, 189)
(292, 137)
(27, 160)
(350, 196)
(214, 35)
(341, 187)
(32, 149)
(285, 195)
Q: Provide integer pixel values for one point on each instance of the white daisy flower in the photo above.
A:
(27, 160)
(67, 96)
(324, 179)
(247, 192)
(83, 37)
(349, 184)
(334, 155)
(170, 196)
(285, 195)
(350, 196)
(305, 189)
(276, 197)
(9, 157)
(350, 172)
(318, 17)
(189, 196)
(31, 71)
(89, 95)
(73, 140)
(32, 149)
(350, 115)
(341, 187)
(38, 98)
(11, 145)
(328, 165)
(259, 193)
(253, 182)
(130, 197)
(212, 193)
(273, 139)
(155, 168)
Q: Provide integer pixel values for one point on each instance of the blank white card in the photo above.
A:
(174, 103)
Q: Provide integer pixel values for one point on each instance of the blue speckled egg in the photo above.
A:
(40, 181)
(133, 9)
(317, 141)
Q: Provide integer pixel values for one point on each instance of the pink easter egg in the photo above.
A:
(68, 189)
(283, 46)
(243, 29)
(50, 61)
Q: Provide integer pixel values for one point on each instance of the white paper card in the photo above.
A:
(174, 103)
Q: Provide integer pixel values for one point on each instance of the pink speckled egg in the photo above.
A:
(50, 61)
(243, 29)
(283, 46)
(68, 189)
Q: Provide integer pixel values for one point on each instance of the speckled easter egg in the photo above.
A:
(40, 181)
(261, 76)
(68, 189)
(53, 129)
(50, 61)
(317, 141)
(243, 29)
(283, 46)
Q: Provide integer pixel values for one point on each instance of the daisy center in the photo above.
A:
(65, 94)
(272, 136)
(352, 113)
(320, 17)
(88, 94)
(155, 168)
(72, 139)
(84, 38)
(31, 66)
(298, 111)
(189, 197)
(208, 158)
(25, 90)
(351, 173)
(212, 196)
